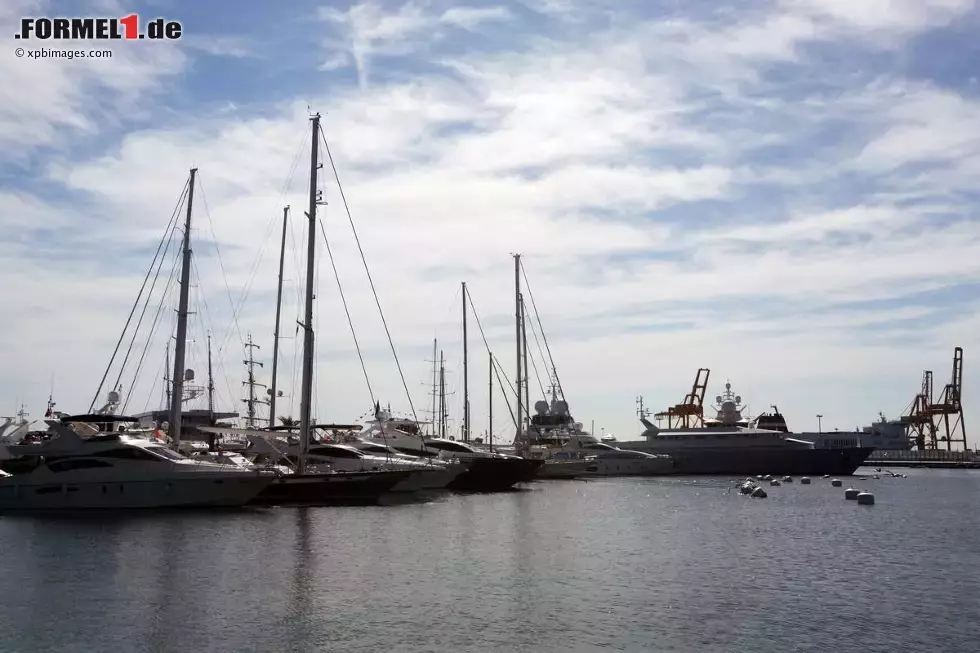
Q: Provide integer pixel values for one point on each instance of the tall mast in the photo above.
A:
(442, 396)
(275, 336)
(306, 395)
(252, 399)
(167, 389)
(210, 385)
(490, 404)
(517, 318)
(435, 385)
(466, 376)
(527, 384)
(177, 394)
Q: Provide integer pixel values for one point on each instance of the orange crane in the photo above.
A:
(918, 423)
(689, 413)
(930, 422)
(949, 408)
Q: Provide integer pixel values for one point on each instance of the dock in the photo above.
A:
(926, 459)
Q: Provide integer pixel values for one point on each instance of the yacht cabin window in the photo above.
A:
(76, 463)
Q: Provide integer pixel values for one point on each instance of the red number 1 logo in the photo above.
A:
(131, 23)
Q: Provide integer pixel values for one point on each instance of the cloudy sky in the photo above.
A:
(782, 191)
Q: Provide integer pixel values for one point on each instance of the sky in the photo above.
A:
(782, 191)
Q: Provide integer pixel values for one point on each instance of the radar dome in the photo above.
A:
(579, 426)
(188, 375)
(541, 407)
(561, 407)
(113, 397)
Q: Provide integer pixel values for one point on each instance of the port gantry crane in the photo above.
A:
(690, 413)
(929, 422)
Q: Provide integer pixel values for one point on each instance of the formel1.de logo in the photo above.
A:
(99, 29)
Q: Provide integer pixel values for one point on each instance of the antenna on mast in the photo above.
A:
(252, 401)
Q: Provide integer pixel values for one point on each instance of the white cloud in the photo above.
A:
(368, 30)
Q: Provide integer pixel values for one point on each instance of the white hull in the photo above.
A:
(564, 469)
(630, 467)
(198, 489)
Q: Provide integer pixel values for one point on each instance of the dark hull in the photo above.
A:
(494, 474)
(788, 462)
(341, 489)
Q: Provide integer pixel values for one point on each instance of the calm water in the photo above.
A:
(619, 564)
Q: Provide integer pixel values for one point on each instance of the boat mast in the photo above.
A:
(306, 394)
(275, 335)
(166, 376)
(490, 404)
(517, 318)
(442, 396)
(210, 385)
(435, 384)
(177, 394)
(466, 376)
(252, 400)
(527, 383)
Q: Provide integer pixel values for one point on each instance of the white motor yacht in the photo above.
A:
(554, 436)
(116, 470)
(428, 475)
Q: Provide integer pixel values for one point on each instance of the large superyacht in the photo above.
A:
(729, 444)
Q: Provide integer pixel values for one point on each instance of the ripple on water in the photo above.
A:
(619, 564)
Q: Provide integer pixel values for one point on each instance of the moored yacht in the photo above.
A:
(486, 471)
(115, 470)
(727, 444)
(554, 436)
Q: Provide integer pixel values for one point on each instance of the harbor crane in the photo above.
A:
(930, 423)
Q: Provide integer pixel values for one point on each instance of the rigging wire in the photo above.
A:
(537, 374)
(168, 288)
(374, 291)
(201, 298)
(237, 309)
(146, 304)
(537, 316)
(173, 217)
(498, 371)
(221, 265)
(350, 321)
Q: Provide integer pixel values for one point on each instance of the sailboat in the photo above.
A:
(333, 487)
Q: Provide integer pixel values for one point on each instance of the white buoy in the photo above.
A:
(774, 483)
(851, 494)
(787, 479)
(876, 477)
(826, 475)
(759, 477)
(837, 482)
(759, 493)
(866, 499)
(805, 480)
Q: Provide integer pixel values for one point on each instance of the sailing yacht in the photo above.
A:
(91, 469)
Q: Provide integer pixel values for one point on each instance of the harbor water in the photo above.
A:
(659, 564)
